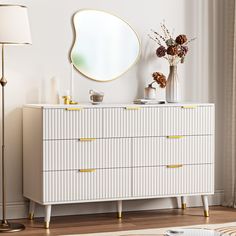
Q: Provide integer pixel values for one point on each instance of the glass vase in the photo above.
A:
(173, 93)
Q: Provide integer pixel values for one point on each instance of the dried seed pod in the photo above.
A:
(172, 50)
(181, 39)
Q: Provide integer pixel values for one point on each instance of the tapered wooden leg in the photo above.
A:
(47, 216)
(183, 202)
(31, 210)
(119, 209)
(205, 205)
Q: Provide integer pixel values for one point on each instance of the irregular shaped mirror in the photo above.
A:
(105, 46)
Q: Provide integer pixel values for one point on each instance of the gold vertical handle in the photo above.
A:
(87, 170)
(174, 166)
(86, 139)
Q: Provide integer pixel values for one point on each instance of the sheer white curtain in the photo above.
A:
(229, 135)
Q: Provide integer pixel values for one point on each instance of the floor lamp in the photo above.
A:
(14, 30)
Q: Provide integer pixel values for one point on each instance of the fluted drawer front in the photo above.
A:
(158, 121)
(70, 124)
(97, 153)
(154, 151)
(164, 181)
(69, 186)
(187, 120)
(131, 121)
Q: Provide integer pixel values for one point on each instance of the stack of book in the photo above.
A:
(148, 101)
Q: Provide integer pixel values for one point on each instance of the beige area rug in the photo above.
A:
(224, 229)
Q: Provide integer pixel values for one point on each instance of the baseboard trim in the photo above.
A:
(17, 210)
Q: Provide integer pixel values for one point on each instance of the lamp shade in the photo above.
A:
(14, 25)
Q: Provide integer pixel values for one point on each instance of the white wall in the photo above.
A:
(29, 70)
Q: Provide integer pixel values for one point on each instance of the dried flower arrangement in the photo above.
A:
(173, 50)
(158, 78)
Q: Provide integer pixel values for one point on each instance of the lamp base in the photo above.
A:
(6, 227)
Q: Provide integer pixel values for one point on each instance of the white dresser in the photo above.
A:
(85, 153)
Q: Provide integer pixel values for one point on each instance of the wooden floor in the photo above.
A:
(131, 221)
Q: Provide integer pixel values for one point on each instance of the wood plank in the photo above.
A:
(131, 221)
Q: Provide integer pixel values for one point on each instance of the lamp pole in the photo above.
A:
(5, 226)
(3, 82)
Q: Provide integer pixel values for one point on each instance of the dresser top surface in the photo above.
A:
(107, 105)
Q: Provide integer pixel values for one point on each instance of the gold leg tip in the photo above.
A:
(119, 216)
(206, 213)
(46, 225)
(184, 206)
(31, 216)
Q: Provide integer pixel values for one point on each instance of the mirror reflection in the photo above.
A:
(105, 46)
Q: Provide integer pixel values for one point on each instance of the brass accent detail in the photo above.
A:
(86, 139)
(119, 215)
(206, 213)
(189, 107)
(184, 206)
(133, 108)
(73, 103)
(46, 225)
(74, 109)
(31, 216)
(175, 136)
(87, 170)
(135, 62)
(66, 99)
(174, 166)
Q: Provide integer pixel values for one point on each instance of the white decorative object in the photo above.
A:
(173, 92)
(150, 93)
(117, 152)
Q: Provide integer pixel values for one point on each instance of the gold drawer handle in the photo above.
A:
(175, 136)
(74, 109)
(133, 108)
(189, 107)
(86, 139)
(87, 170)
(174, 166)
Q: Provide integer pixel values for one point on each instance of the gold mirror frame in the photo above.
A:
(77, 40)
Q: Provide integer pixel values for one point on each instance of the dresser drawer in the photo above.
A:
(69, 186)
(164, 181)
(158, 121)
(187, 120)
(156, 151)
(71, 124)
(86, 153)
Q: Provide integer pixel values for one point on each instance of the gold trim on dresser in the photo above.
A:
(175, 166)
(74, 109)
(86, 139)
(132, 108)
(189, 107)
(175, 136)
(87, 170)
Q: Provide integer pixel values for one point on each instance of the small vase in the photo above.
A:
(150, 93)
(173, 93)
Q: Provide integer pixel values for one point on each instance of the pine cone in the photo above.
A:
(161, 51)
(181, 39)
(172, 50)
